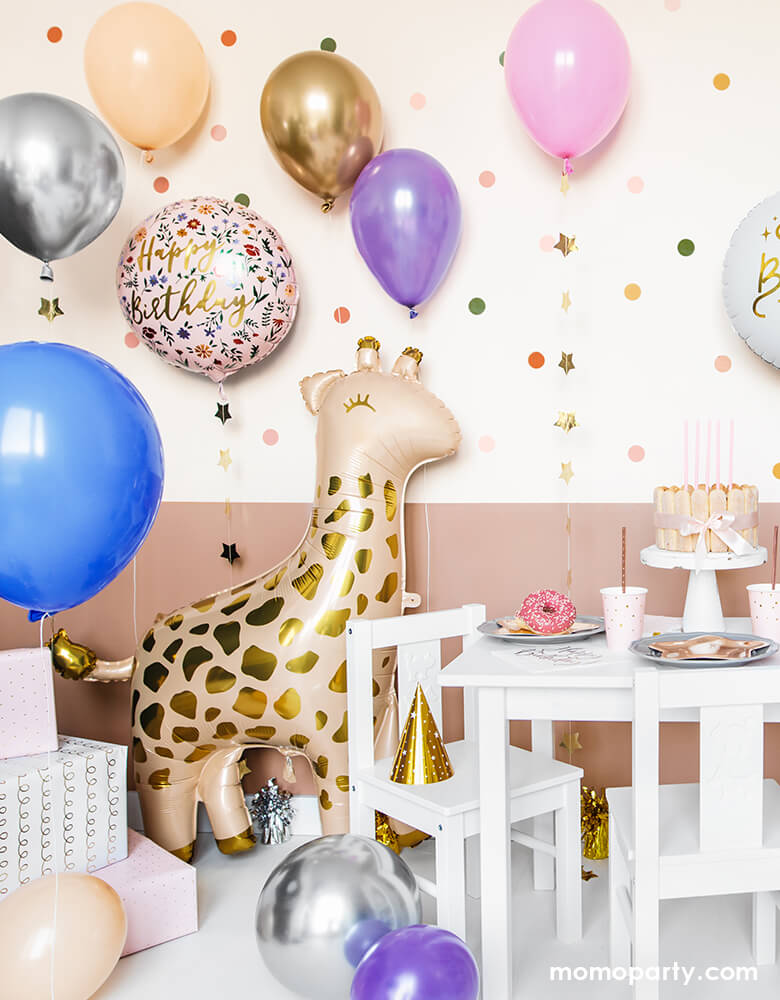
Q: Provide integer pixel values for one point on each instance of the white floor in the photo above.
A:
(222, 960)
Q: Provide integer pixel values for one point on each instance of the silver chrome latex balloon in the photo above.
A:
(61, 176)
(325, 905)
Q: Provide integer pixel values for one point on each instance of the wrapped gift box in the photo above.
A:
(159, 893)
(28, 723)
(72, 818)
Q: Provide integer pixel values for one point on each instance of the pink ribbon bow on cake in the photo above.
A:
(721, 525)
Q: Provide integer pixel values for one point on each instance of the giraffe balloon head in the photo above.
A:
(387, 417)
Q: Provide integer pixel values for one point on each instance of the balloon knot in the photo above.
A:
(327, 205)
(148, 156)
(413, 314)
(567, 167)
(46, 272)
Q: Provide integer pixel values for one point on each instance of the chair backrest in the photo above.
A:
(418, 642)
(730, 703)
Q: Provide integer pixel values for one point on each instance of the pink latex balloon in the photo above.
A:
(567, 69)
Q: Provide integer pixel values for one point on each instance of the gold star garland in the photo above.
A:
(223, 415)
(50, 309)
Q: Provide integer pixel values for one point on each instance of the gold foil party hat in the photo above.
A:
(421, 758)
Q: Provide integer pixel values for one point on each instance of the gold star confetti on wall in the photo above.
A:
(567, 473)
(570, 742)
(566, 362)
(566, 421)
(50, 308)
(566, 244)
(566, 301)
(587, 875)
(225, 461)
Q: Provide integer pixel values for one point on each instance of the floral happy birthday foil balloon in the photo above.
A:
(208, 285)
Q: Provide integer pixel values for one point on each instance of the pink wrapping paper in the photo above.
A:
(28, 722)
(159, 893)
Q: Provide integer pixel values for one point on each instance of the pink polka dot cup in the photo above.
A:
(624, 615)
(765, 610)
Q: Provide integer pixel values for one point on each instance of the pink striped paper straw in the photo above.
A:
(685, 454)
(731, 453)
(709, 444)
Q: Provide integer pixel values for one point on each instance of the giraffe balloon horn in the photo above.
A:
(408, 364)
(368, 355)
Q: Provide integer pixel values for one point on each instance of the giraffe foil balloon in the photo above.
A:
(265, 662)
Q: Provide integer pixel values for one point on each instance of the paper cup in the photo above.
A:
(765, 610)
(624, 615)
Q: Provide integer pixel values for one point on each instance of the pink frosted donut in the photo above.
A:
(547, 612)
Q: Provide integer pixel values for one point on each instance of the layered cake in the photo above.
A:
(720, 512)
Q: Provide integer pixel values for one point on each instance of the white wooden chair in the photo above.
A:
(449, 810)
(716, 837)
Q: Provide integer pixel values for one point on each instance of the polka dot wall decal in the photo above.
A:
(218, 133)
(242, 199)
(686, 247)
(723, 363)
(635, 185)
(632, 292)
(486, 443)
(547, 244)
(161, 185)
(54, 34)
(636, 453)
(721, 81)
(672, 5)
(328, 44)
(417, 101)
(131, 340)
(776, 471)
(270, 436)
(341, 314)
(477, 306)
(501, 58)
(487, 178)
(228, 38)
(536, 359)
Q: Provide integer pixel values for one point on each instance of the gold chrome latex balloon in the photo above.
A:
(323, 121)
(70, 658)
(87, 934)
(265, 662)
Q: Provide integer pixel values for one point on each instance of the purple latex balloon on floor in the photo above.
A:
(405, 214)
(417, 963)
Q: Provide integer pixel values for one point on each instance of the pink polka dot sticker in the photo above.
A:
(487, 178)
(342, 314)
(486, 443)
(672, 5)
(723, 363)
(417, 101)
(547, 244)
(270, 436)
(636, 453)
(635, 185)
(218, 133)
(161, 185)
(131, 340)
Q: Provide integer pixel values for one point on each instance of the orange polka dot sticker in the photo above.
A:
(228, 38)
(487, 178)
(161, 185)
(723, 363)
(776, 470)
(721, 81)
(131, 340)
(536, 359)
(632, 292)
(54, 34)
(218, 133)
(341, 314)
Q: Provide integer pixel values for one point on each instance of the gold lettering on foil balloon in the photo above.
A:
(322, 119)
(265, 662)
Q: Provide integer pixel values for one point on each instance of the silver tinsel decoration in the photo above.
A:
(272, 812)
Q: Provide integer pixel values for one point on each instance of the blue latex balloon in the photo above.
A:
(405, 215)
(417, 963)
(81, 474)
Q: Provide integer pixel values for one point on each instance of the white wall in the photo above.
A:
(705, 156)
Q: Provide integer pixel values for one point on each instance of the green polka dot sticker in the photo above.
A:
(477, 306)
(685, 247)
(242, 199)
(501, 58)
(328, 44)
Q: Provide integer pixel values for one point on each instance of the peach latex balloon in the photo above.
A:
(90, 934)
(147, 73)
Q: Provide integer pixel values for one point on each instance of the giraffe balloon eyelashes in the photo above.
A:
(264, 663)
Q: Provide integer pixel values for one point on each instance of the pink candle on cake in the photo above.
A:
(717, 453)
(685, 454)
(731, 453)
(696, 451)
(709, 445)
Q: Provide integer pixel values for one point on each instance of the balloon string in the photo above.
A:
(428, 543)
(135, 599)
(44, 616)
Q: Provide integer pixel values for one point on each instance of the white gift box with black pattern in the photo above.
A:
(70, 818)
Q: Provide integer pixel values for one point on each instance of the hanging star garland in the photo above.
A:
(223, 413)
(566, 244)
(566, 421)
(570, 742)
(230, 552)
(225, 461)
(50, 308)
(567, 473)
(566, 362)
(566, 301)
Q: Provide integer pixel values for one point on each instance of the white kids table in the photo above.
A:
(581, 680)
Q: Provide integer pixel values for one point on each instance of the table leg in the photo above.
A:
(495, 845)
(543, 826)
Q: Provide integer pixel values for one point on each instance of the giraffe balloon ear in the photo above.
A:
(314, 388)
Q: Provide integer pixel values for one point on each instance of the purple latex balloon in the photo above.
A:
(417, 963)
(405, 214)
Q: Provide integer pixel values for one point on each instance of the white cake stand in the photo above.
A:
(702, 612)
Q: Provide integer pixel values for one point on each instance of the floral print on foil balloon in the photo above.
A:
(208, 285)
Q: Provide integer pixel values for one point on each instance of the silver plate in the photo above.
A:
(491, 628)
(642, 648)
